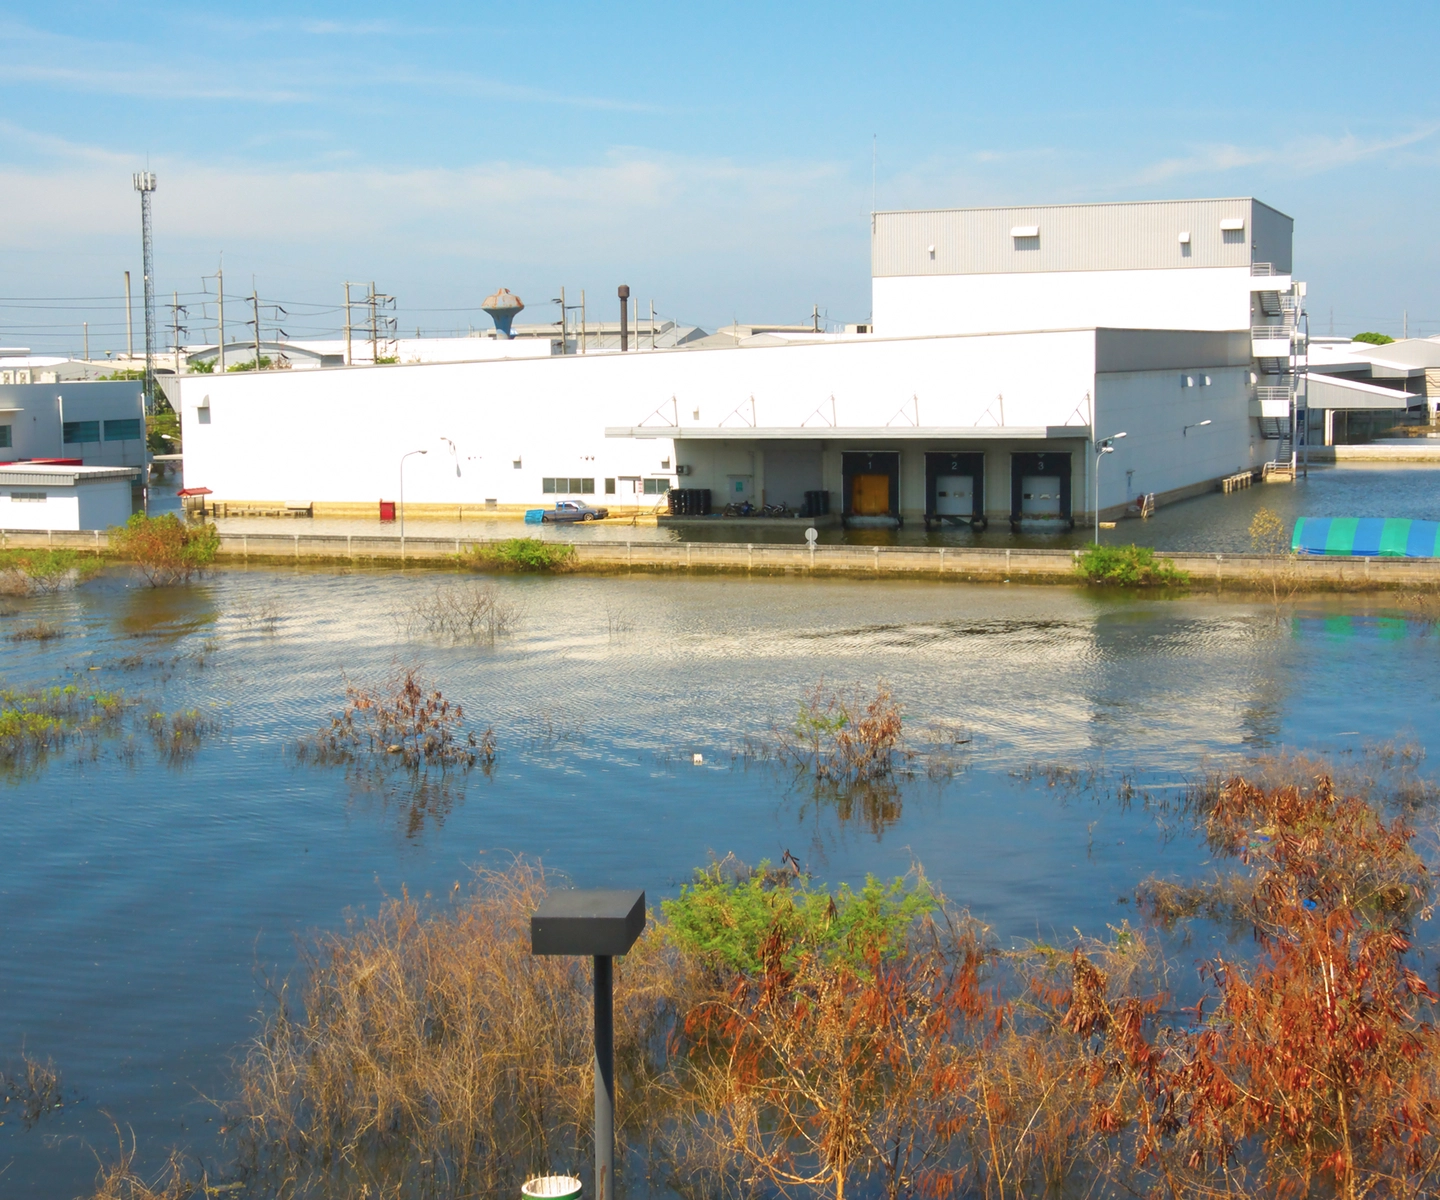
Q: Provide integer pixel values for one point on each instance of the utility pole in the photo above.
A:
(652, 325)
(374, 336)
(347, 322)
(129, 326)
(584, 328)
(562, 321)
(175, 321)
(220, 288)
(87, 340)
(815, 317)
(255, 302)
(145, 185)
(1405, 325)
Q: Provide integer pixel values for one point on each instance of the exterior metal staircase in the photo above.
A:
(1280, 383)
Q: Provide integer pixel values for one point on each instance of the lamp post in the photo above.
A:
(1103, 447)
(601, 924)
(1197, 425)
(455, 454)
(403, 457)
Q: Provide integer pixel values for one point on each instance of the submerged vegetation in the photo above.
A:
(177, 736)
(773, 1034)
(406, 717)
(30, 1090)
(164, 549)
(38, 722)
(1128, 566)
(32, 572)
(519, 554)
(462, 612)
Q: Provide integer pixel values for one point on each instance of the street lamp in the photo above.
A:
(1198, 425)
(403, 457)
(600, 925)
(1102, 447)
(456, 456)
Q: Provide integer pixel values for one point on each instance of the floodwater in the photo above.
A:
(144, 901)
(1212, 523)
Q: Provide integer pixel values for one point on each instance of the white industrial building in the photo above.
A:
(54, 496)
(97, 423)
(1006, 344)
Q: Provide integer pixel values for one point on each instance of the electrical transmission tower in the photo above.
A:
(145, 185)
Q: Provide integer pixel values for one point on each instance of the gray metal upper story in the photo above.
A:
(1081, 237)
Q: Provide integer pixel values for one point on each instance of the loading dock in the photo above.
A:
(955, 489)
(870, 482)
(1040, 488)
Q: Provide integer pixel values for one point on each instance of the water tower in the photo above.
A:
(503, 308)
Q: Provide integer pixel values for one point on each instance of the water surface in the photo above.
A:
(143, 902)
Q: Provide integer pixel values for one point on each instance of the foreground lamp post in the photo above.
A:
(601, 924)
(1103, 447)
(1185, 432)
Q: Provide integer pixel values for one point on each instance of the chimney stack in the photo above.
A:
(624, 293)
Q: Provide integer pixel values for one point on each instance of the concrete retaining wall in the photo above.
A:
(958, 564)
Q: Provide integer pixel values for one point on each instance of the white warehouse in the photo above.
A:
(1006, 342)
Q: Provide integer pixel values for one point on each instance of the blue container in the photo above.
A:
(534, 516)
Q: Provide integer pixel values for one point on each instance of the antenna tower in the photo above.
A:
(145, 185)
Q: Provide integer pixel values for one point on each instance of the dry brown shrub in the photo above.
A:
(34, 1088)
(431, 1052)
(467, 612)
(39, 631)
(407, 717)
(119, 1180)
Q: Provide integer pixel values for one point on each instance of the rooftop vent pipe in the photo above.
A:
(623, 291)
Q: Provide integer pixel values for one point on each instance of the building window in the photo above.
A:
(28, 496)
(5, 442)
(123, 431)
(562, 485)
(656, 487)
(609, 487)
(82, 431)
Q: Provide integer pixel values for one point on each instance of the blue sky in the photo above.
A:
(716, 159)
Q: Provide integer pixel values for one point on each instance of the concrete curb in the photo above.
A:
(951, 564)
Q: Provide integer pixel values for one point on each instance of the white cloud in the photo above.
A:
(1311, 155)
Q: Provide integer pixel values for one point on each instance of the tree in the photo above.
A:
(1374, 339)
(165, 550)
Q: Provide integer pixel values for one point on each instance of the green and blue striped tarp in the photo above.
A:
(1367, 537)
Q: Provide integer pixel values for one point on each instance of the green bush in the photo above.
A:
(165, 548)
(27, 571)
(520, 554)
(1128, 566)
(1374, 339)
(726, 917)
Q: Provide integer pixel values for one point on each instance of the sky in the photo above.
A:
(720, 160)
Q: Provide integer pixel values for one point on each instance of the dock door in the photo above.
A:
(955, 489)
(1040, 488)
(872, 483)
